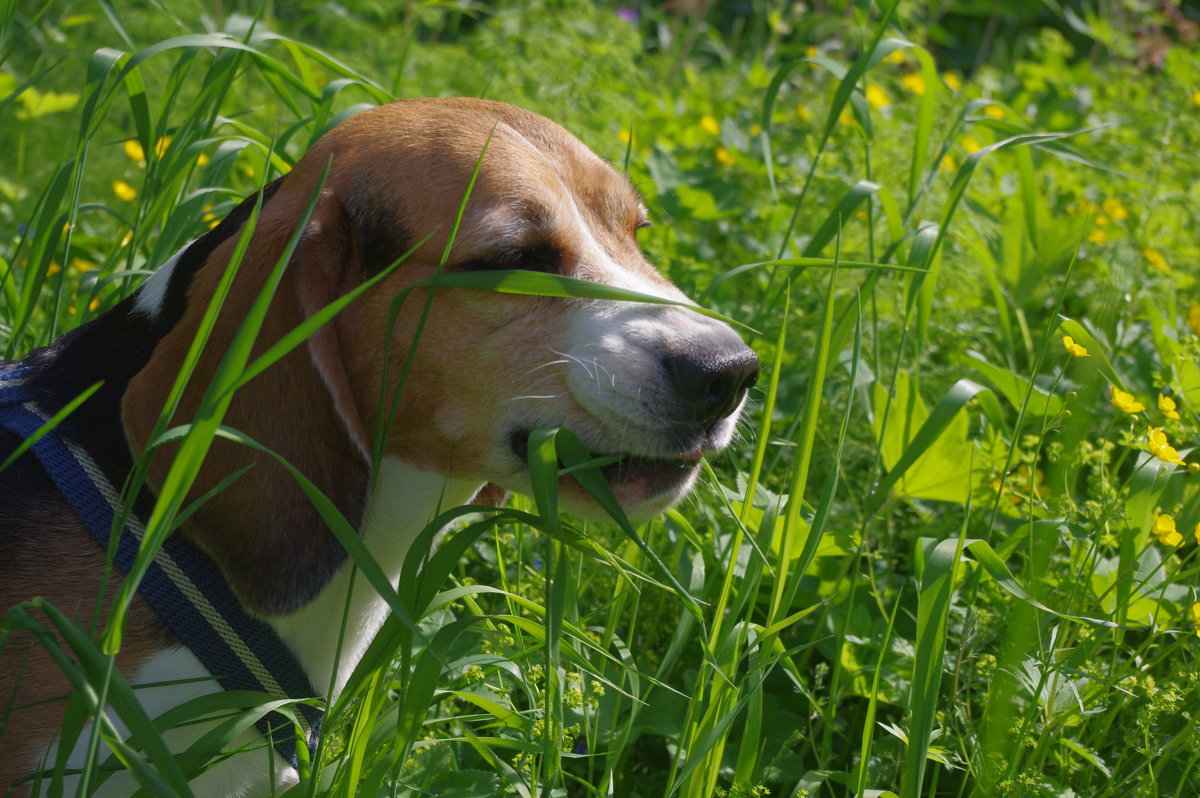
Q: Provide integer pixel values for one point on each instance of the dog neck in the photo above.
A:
(404, 500)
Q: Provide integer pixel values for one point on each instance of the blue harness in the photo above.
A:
(183, 584)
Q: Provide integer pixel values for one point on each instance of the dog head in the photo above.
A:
(476, 371)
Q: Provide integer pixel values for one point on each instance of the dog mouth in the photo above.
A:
(635, 478)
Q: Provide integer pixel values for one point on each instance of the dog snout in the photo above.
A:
(712, 381)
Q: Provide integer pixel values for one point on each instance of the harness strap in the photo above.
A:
(183, 584)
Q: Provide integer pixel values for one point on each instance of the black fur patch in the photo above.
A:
(380, 239)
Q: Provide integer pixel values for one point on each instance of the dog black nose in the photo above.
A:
(712, 384)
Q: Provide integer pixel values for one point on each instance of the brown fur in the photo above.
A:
(31, 683)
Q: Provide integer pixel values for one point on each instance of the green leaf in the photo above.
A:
(925, 453)
(1041, 403)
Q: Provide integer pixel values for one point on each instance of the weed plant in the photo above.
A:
(954, 553)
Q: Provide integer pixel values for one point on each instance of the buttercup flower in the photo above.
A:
(1097, 236)
(1193, 317)
(1196, 606)
(914, 82)
(1113, 207)
(994, 111)
(1196, 532)
(1167, 405)
(1164, 529)
(134, 151)
(970, 143)
(953, 81)
(1196, 99)
(1075, 349)
(877, 97)
(1155, 259)
(1163, 450)
(1125, 401)
(710, 124)
(723, 156)
(123, 190)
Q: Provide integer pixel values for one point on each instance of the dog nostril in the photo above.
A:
(712, 387)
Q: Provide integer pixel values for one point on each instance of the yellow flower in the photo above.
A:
(1196, 99)
(710, 124)
(952, 80)
(94, 304)
(994, 111)
(1163, 450)
(123, 190)
(160, 146)
(1113, 207)
(54, 269)
(80, 265)
(895, 56)
(1155, 258)
(804, 112)
(134, 151)
(1193, 317)
(811, 50)
(877, 97)
(724, 157)
(1196, 606)
(1102, 221)
(1196, 532)
(949, 164)
(1164, 529)
(1125, 401)
(970, 143)
(1075, 349)
(914, 82)
(126, 239)
(1097, 236)
(203, 159)
(755, 129)
(1167, 405)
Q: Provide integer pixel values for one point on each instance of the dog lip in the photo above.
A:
(518, 444)
(645, 476)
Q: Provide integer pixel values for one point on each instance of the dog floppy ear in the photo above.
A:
(272, 544)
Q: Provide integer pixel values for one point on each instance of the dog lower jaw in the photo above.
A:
(643, 484)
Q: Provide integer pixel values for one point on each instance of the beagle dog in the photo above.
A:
(658, 383)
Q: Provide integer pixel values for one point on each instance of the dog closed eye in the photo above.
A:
(539, 258)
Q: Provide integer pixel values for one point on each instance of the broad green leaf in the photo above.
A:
(926, 454)
(1015, 389)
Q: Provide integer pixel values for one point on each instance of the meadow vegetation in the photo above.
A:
(954, 552)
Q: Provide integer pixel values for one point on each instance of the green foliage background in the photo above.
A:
(946, 559)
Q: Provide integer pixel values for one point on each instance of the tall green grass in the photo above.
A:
(941, 563)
